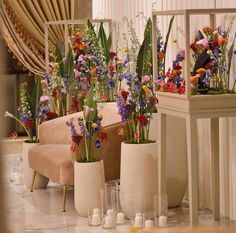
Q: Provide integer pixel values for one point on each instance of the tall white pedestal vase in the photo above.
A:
(89, 181)
(138, 178)
(177, 177)
(40, 180)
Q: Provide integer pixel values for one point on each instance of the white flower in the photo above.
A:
(44, 98)
(8, 114)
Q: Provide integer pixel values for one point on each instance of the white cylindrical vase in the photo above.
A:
(138, 178)
(89, 180)
(40, 180)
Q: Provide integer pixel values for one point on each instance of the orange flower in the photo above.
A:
(161, 55)
(194, 81)
(94, 70)
(201, 71)
(207, 30)
(222, 41)
(83, 47)
(104, 98)
(177, 72)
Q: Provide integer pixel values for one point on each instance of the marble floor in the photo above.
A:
(40, 211)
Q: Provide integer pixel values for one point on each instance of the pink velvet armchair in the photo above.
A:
(52, 158)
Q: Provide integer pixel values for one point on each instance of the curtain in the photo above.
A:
(22, 27)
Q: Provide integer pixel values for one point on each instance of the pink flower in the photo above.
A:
(181, 89)
(44, 98)
(76, 73)
(181, 52)
(203, 42)
(145, 78)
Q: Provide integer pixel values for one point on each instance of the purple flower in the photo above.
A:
(98, 144)
(121, 108)
(235, 52)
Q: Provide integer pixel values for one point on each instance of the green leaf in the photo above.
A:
(145, 51)
(141, 56)
(168, 33)
(69, 65)
(91, 28)
(104, 42)
(109, 41)
(59, 60)
(148, 29)
(37, 92)
(90, 102)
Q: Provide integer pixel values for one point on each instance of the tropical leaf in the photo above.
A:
(141, 56)
(69, 64)
(109, 41)
(91, 28)
(37, 92)
(59, 61)
(168, 33)
(145, 49)
(148, 29)
(104, 42)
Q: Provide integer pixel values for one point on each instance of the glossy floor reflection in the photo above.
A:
(40, 211)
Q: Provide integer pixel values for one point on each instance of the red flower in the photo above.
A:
(208, 65)
(77, 138)
(193, 46)
(111, 68)
(112, 55)
(142, 120)
(74, 147)
(74, 103)
(84, 93)
(28, 124)
(103, 136)
(13, 134)
(124, 94)
(54, 93)
(178, 67)
(51, 115)
(181, 89)
(104, 98)
(214, 43)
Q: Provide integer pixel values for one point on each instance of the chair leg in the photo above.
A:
(33, 179)
(64, 198)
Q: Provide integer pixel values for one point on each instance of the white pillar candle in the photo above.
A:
(149, 224)
(120, 219)
(96, 220)
(138, 221)
(109, 222)
(162, 221)
(110, 212)
(96, 211)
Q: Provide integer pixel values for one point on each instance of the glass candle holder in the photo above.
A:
(148, 219)
(94, 217)
(163, 210)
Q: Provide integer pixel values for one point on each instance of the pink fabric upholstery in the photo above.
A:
(52, 158)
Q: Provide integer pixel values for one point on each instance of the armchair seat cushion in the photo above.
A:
(54, 161)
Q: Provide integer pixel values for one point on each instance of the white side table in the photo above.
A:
(208, 106)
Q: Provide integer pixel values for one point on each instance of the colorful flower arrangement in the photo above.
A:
(137, 102)
(212, 57)
(135, 107)
(90, 135)
(27, 114)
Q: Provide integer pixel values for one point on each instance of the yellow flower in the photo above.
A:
(209, 52)
(100, 115)
(144, 87)
(175, 41)
(161, 72)
(94, 125)
(215, 33)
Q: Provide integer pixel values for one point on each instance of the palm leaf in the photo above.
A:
(103, 41)
(91, 28)
(69, 65)
(109, 41)
(141, 56)
(59, 60)
(168, 33)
